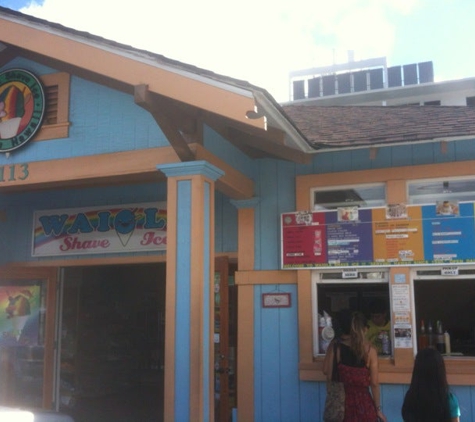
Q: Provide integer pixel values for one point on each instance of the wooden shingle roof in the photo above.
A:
(357, 126)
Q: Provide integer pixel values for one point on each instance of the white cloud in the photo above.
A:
(258, 41)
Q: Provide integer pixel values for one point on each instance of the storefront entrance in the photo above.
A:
(111, 354)
(103, 359)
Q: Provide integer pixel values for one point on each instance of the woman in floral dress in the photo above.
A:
(357, 367)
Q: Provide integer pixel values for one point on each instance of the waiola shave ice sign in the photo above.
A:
(99, 230)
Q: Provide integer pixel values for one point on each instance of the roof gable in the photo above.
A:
(157, 83)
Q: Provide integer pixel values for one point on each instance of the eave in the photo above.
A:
(178, 96)
(132, 68)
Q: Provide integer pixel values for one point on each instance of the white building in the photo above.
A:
(372, 82)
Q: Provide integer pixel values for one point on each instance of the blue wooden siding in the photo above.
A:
(226, 226)
(277, 386)
(395, 156)
(279, 394)
(102, 121)
(224, 150)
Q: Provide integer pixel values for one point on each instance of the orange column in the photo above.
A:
(245, 346)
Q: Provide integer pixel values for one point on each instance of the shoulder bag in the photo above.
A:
(335, 401)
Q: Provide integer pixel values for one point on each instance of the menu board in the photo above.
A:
(391, 235)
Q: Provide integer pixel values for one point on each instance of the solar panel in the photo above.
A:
(299, 90)
(359, 81)
(394, 76)
(314, 87)
(426, 72)
(410, 74)
(328, 85)
(376, 80)
(344, 83)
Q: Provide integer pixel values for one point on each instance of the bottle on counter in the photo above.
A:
(385, 343)
(430, 336)
(440, 339)
(448, 348)
(423, 339)
(321, 325)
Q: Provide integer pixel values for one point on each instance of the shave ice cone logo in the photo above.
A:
(19, 320)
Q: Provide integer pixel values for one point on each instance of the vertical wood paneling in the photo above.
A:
(392, 397)
(444, 152)
(341, 160)
(230, 227)
(311, 401)
(246, 247)
(227, 152)
(422, 154)
(466, 398)
(360, 159)
(322, 163)
(258, 355)
(219, 233)
(269, 221)
(289, 379)
(270, 333)
(464, 150)
(382, 159)
(104, 120)
(401, 155)
(285, 183)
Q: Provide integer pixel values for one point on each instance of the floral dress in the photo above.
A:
(359, 404)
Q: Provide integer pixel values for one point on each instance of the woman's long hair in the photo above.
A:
(428, 396)
(354, 324)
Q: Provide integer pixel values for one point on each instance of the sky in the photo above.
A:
(262, 41)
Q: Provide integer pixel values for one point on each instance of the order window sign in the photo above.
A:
(22, 106)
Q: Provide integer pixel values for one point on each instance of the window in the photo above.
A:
(352, 289)
(434, 190)
(363, 196)
(471, 101)
(451, 307)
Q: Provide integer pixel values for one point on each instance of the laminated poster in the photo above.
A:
(19, 315)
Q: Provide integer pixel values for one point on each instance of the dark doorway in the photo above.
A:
(112, 343)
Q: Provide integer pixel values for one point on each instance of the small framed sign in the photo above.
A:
(276, 300)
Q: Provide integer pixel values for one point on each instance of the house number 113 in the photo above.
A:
(14, 172)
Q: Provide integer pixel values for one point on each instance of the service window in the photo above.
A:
(359, 290)
(445, 303)
(445, 296)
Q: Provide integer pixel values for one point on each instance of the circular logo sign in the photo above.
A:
(22, 106)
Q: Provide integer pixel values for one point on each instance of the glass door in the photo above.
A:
(27, 299)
